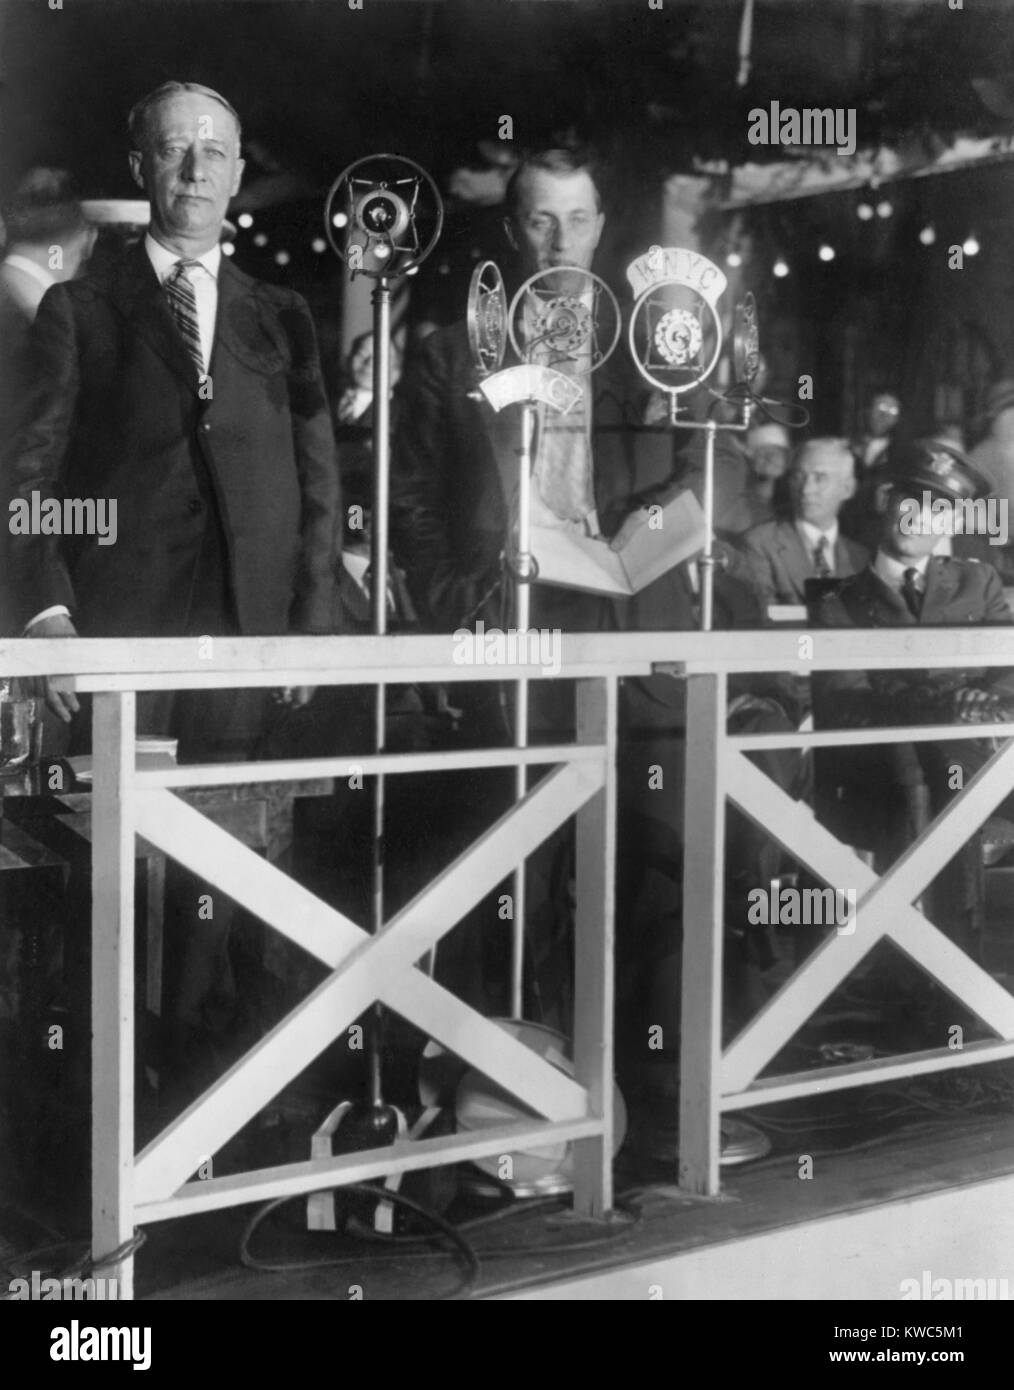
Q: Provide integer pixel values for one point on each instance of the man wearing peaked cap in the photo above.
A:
(906, 585)
(939, 466)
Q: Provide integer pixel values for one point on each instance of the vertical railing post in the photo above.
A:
(703, 892)
(593, 946)
(113, 724)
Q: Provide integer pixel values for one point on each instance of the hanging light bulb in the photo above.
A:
(340, 219)
(928, 235)
(884, 208)
(826, 252)
(228, 248)
(282, 258)
(319, 245)
(260, 239)
(864, 212)
(734, 260)
(244, 220)
(780, 268)
(970, 246)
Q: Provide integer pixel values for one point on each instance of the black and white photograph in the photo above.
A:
(507, 664)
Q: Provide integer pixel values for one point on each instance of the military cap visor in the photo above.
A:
(939, 467)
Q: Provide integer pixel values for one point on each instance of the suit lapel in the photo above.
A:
(941, 583)
(797, 562)
(141, 300)
(843, 562)
(883, 606)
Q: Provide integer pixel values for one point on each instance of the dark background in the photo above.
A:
(319, 85)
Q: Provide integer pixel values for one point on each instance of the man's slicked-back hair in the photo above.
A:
(561, 161)
(825, 443)
(137, 121)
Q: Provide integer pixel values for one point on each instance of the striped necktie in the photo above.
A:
(820, 564)
(183, 306)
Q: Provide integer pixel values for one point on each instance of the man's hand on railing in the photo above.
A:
(57, 691)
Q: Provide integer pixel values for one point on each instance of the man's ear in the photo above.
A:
(240, 166)
(134, 156)
(508, 231)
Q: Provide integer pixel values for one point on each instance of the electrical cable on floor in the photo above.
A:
(81, 1268)
(398, 1199)
(511, 1252)
(443, 1229)
(503, 1213)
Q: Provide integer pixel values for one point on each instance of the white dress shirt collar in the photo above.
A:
(163, 260)
(892, 570)
(810, 536)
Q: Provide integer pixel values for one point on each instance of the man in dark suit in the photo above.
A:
(456, 460)
(862, 796)
(453, 497)
(189, 396)
(455, 482)
(785, 554)
(207, 423)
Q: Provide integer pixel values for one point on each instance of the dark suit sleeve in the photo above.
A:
(857, 557)
(842, 698)
(997, 611)
(315, 601)
(446, 582)
(758, 558)
(38, 577)
(995, 608)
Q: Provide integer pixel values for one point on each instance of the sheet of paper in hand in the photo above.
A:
(650, 542)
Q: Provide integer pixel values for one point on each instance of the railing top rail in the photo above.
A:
(116, 663)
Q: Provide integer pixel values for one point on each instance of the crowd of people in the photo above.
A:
(195, 396)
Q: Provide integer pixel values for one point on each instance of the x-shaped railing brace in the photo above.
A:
(364, 969)
(884, 909)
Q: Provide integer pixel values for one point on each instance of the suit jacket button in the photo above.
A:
(194, 506)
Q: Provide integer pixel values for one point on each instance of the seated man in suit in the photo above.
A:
(908, 584)
(785, 554)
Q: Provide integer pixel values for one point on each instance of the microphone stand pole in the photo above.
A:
(523, 607)
(706, 562)
(383, 1117)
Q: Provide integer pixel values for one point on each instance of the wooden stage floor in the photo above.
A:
(929, 1187)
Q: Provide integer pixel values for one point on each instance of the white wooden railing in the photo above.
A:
(134, 1189)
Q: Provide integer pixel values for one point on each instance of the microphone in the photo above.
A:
(486, 319)
(383, 216)
(565, 315)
